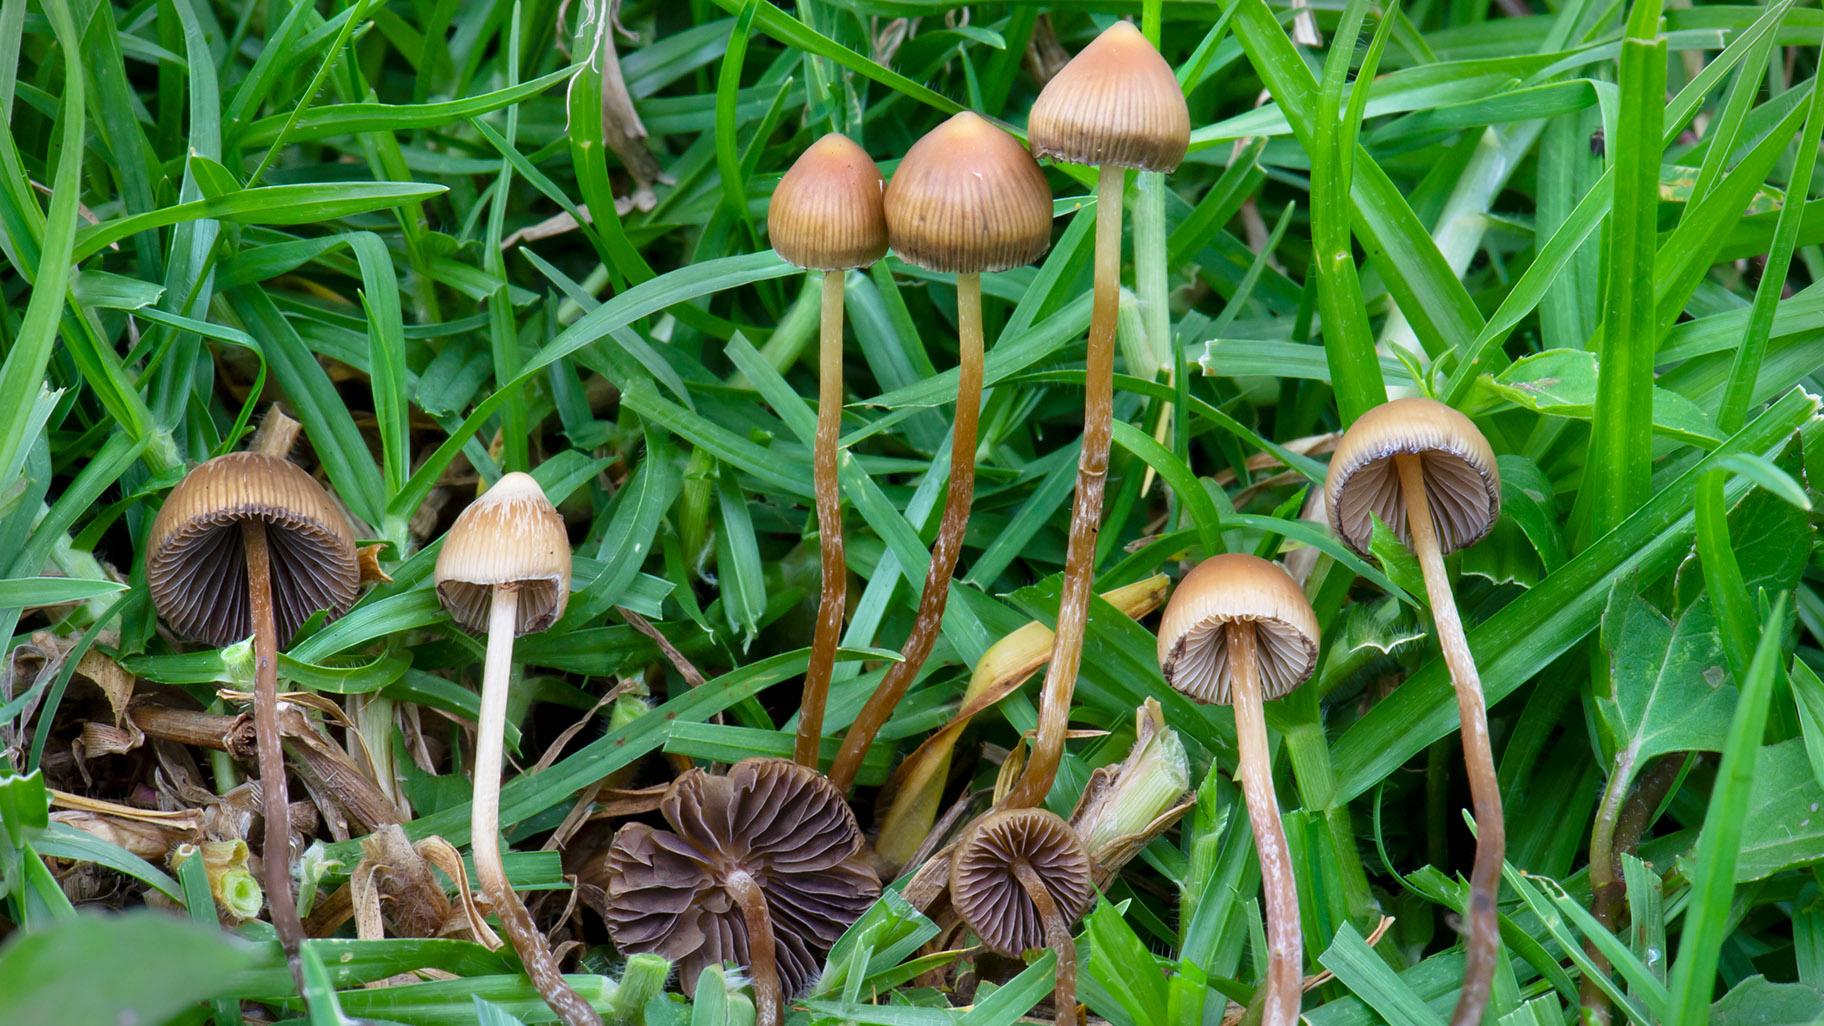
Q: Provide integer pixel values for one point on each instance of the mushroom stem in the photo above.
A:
(1478, 754)
(1285, 941)
(484, 820)
(275, 802)
(1086, 513)
(829, 528)
(762, 953)
(944, 551)
(1057, 935)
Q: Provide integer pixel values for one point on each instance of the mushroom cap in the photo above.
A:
(826, 212)
(1116, 103)
(1230, 589)
(988, 895)
(510, 537)
(196, 565)
(968, 198)
(783, 824)
(1462, 483)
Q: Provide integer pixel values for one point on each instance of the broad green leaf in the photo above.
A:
(139, 967)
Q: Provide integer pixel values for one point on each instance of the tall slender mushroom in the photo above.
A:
(1020, 879)
(1238, 631)
(1425, 470)
(826, 215)
(249, 544)
(1116, 105)
(762, 866)
(966, 198)
(504, 570)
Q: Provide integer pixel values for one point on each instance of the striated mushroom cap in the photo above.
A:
(826, 213)
(1462, 483)
(1230, 589)
(1116, 103)
(196, 565)
(988, 895)
(968, 198)
(510, 537)
(783, 824)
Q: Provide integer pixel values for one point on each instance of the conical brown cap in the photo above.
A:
(510, 537)
(196, 565)
(988, 895)
(1462, 483)
(1115, 103)
(968, 198)
(1231, 589)
(826, 213)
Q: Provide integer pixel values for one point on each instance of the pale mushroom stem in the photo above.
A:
(1086, 513)
(1057, 935)
(1285, 939)
(944, 551)
(484, 820)
(275, 801)
(762, 951)
(806, 752)
(1478, 754)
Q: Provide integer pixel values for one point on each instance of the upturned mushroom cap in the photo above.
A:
(783, 824)
(196, 565)
(1232, 589)
(826, 213)
(968, 198)
(988, 895)
(1462, 483)
(1117, 103)
(510, 537)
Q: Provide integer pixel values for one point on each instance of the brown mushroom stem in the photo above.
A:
(829, 528)
(944, 551)
(1285, 940)
(275, 803)
(762, 953)
(1478, 754)
(1057, 934)
(484, 820)
(1086, 513)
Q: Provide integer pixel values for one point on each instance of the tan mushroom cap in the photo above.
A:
(826, 212)
(196, 564)
(1231, 589)
(1462, 483)
(510, 537)
(1116, 103)
(989, 897)
(968, 198)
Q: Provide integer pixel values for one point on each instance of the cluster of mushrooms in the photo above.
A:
(765, 864)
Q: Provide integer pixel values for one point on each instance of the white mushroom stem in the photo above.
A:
(1285, 937)
(275, 801)
(1057, 935)
(1478, 754)
(834, 591)
(762, 950)
(484, 820)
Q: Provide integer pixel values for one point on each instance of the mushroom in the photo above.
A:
(504, 570)
(1117, 105)
(762, 866)
(1020, 879)
(1425, 470)
(1239, 631)
(249, 544)
(966, 198)
(826, 215)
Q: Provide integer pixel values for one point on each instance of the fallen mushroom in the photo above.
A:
(1116, 105)
(762, 867)
(826, 215)
(1239, 631)
(966, 198)
(249, 544)
(1425, 471)
(504, 570)
(1020, 879)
